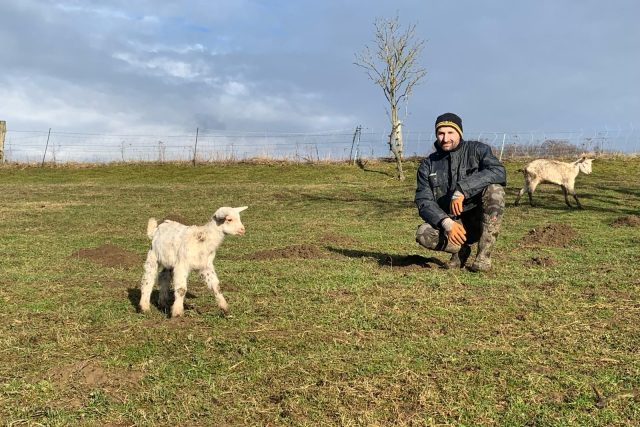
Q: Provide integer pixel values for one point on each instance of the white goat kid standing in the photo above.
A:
(554, 172)
(177, 249)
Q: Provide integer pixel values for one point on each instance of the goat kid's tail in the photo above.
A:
(152, 226)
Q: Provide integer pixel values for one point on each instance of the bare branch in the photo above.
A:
(395, 67)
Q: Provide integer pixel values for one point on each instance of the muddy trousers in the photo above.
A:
(482, 225)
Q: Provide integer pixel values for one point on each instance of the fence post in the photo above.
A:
(195, 147)
(3, 132)
(504, 136)
(46, 146)
(355, 143)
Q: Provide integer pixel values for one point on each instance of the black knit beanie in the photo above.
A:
(450, 119)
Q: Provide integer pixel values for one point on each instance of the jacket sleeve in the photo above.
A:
(427, 206)
(490, 171)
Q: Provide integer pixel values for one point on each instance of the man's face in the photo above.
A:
(448, 138)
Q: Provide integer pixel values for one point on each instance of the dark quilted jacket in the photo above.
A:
(470, 168)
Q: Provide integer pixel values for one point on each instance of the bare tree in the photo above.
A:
(394, 68)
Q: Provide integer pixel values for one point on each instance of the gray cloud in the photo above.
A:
(288, 66)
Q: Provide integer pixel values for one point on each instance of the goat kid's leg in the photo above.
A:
(180, 276)
(148, 280)
(213, 283)
(164, 283)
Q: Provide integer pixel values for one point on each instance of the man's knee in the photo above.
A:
(428, 236)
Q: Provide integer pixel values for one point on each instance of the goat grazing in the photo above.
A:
(177, 249)
(554, 172)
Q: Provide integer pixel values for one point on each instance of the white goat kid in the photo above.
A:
(177, 249)
(554, 172)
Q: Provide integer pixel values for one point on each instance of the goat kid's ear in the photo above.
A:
(241, 208)
(219, 215)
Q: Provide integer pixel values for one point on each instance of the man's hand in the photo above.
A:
(455, 231)
(457, 235)
(456, 203)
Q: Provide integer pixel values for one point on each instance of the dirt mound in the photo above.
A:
(627, 221)
(88, 372)
(294, 251)
(110, 256)
(559, 235)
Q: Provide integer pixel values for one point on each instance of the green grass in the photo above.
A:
(341, 338)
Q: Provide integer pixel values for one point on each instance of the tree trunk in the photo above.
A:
(395, 143)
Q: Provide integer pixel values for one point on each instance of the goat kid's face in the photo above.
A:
(229, 220)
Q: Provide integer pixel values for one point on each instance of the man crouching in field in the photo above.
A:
(460, 196)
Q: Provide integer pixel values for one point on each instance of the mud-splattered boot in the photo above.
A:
(492, 211)
(459, 259)
(485, 246)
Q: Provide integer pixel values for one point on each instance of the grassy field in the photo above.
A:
(337, 316)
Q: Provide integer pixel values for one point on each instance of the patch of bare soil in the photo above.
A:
(294, 251)
(91, 374)
(88, 375)
(110, 256)
(541, 261)
(627, 221)
(559, 235)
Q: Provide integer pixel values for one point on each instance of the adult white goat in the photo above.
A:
(554, 172)
(178, 249)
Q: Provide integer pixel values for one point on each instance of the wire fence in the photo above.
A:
(51, 146)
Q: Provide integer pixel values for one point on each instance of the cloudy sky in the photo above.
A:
(287, 66)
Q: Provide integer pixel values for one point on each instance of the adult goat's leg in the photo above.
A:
(566, 195)
(520, 193)
(532, 185)
(575, 196)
